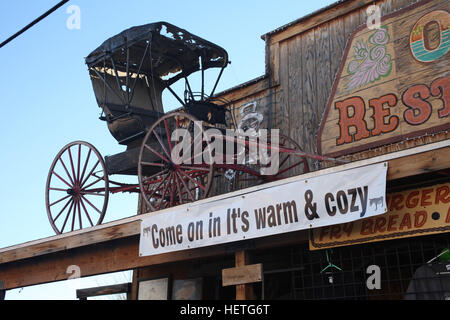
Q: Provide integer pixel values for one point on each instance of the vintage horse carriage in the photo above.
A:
(129, 73)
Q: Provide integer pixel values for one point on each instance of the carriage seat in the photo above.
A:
(127, 125)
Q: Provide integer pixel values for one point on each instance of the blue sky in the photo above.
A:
(47, 100)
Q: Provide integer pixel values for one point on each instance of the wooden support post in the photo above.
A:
(243, 291)
(2, 290)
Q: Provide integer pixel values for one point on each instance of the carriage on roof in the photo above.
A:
(129, 73)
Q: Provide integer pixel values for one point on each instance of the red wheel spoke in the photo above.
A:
(180, 195)
(74, 214)
(154, 190)
(193, 180)
(90, 173)
(156, 152)
(185, 186)
(85, 164)
(168, 136)
(78, 165)
(70, 186)
(65, 206)
(145, 180)
(58, 189)
(67, 172)
(161, 143)
(153, 164)
(67, 216)
(85, 211)
(172, 193)
(79, 214)
(71, 163)
(58, 201)
(165, 190)
(95, 208)
(92, 183)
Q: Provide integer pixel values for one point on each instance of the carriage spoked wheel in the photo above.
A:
(77, 189)
(289, 164)
(174, 172)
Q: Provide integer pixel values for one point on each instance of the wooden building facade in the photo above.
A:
(399, 113)
(304, 61)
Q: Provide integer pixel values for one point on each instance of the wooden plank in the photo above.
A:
(313, 21)
(420, 163)
(309, 85)
(114, 256)
(376, 152)
(243, 291)
(323, 54)
(274, 63)
(283, 112)
(69, 241)
(337, 45)
(241, 275)
(104, 290)
(400, 4)
(296, 112)
(351, 22)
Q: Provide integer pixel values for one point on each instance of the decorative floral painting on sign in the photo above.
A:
(371, 60)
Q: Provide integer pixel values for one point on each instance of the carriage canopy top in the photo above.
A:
(175, 53)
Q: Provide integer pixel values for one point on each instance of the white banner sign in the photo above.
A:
(303, 204)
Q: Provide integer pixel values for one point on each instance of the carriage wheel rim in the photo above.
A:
(176, 177)
(78, 188)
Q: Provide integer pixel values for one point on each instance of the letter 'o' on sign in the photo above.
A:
(430, 37)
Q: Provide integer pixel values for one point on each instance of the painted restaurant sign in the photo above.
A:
(393, 82)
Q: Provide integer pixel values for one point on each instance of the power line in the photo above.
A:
(18, 33)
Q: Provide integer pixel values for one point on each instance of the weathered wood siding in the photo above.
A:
(301, 63)
(307, 67)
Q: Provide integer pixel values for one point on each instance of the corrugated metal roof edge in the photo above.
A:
(242, 85)
(299, 20)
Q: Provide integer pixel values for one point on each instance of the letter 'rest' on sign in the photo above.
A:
(322, 200)
(393, 82)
